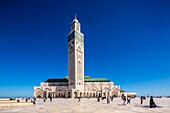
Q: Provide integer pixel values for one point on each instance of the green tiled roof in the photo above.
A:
(89, 79)
(66, 77)
(96, 80)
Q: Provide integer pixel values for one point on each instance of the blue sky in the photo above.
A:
(126, 41)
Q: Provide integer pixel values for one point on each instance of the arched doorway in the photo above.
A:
(60, 91)
(93, 95)
(90, 94)
(64, 96)
(99, 94)
(80, 94)
(87, 94)
(56, 96)
(69, 95)
(84, 94)
(75, 94)
(93, 90)
(114, 93)
(39, 93)
(46, 92)
(105, 92)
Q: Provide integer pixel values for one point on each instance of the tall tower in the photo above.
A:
(76, 57)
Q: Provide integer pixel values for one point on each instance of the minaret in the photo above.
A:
(76, 57)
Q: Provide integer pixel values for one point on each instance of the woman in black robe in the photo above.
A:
(152, 103)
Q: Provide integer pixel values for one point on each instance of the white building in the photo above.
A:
(76, 84)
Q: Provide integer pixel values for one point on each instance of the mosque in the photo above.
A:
(76, 84)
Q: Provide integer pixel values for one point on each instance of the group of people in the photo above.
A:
(108, 99)
(151, 102)
(45, 98)
(128, 99)
(33, 100)
(98, 99)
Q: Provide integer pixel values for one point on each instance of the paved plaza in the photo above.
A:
(90, 106)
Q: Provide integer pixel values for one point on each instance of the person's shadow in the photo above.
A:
(147, 106)
(121, 104)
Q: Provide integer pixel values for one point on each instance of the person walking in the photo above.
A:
(124, 100)
(108, 101)
(34, 99)
(79, 99)
(112, 98)
(44, 99)
(33, 102)
(141, 100)
(98, 99)
(128, 100)
(51, 99)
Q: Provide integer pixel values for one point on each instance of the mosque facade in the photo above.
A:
(76, 84)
